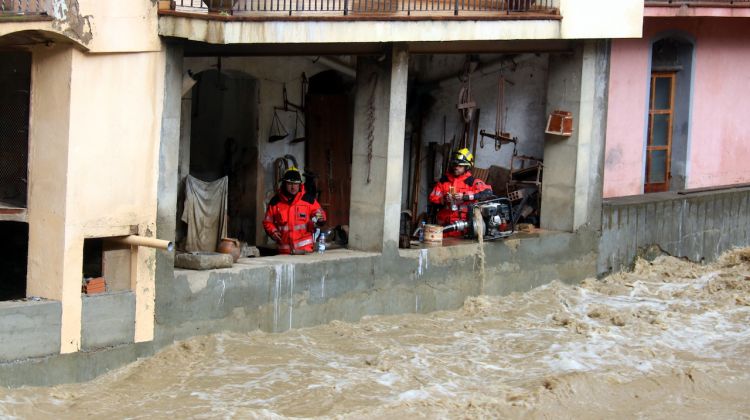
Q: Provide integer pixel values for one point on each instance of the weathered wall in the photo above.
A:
(698, 226)
(717, 142)
(98, 26)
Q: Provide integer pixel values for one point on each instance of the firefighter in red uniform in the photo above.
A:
(457, 189)
(292, 215)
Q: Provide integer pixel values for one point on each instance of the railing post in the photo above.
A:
(455, 9)
(346, 7)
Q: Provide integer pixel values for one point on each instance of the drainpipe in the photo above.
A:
(136, 240)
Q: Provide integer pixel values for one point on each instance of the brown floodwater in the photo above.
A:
(669, 340)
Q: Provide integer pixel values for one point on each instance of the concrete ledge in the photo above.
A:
(29, 329)
(108, 319)
(73, 367)
(283, 292)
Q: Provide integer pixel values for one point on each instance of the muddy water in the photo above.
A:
(669, 340)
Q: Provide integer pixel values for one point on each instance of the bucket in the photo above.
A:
(433, 233)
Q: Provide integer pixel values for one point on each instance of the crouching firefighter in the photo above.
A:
(456, 190)
(293, 215)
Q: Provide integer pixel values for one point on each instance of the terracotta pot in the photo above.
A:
(220, 6)
(229, 246)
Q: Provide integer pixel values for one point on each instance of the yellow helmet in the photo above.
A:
(292, 175)
(462, 157)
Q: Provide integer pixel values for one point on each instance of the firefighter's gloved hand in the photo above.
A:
(276, 236)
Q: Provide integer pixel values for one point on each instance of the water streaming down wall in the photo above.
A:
(283, 297)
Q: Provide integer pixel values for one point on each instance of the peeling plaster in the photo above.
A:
(70, 22)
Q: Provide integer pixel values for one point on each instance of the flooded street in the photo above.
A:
(670, 339)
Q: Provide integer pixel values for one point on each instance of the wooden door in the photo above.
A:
(660, 120)
(328, 152)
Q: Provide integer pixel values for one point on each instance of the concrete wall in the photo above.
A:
(571, 191)
(278, 293)
(698, 226)
(108, 320)
(717, 141)
(30, 329)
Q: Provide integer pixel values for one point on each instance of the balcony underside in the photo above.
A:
(298, 31)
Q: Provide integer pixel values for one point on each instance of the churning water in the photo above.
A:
(670, 339)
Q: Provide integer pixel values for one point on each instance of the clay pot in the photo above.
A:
(229, 246)
(220, 6)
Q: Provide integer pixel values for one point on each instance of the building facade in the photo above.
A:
(128, 98)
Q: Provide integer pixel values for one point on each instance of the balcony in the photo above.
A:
(697, 8)
(367, 9)
(24, 9)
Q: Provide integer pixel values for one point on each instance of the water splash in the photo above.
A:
(424, 262)
(478, 221)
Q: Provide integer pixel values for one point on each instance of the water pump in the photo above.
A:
(496, 220)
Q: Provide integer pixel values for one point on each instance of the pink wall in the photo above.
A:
(720, 137)
(628, 86)
(719, 144)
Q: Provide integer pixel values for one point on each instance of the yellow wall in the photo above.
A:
(94, 147)
(98, 26)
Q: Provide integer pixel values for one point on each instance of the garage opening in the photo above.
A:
(492, 109)
(245, 122)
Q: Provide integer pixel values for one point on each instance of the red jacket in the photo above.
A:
(292, 218)
(464, 184)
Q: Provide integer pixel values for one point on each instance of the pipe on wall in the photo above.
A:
(136, 240)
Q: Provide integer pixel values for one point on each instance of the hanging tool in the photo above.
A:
(466, 103)
(299, 128)
(500, 136)
(278, 131)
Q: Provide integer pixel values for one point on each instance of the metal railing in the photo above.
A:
(372, 7)
(23, 7)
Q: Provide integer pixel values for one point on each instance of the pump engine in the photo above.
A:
(496, 220)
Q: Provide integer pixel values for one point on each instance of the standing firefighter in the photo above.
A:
(292, 215)
(457, 189)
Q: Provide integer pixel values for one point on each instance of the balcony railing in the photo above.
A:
(23, 7)
(373, 8)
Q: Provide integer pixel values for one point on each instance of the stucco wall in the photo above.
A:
(98, 26)
(717, 143)
(94, 138)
